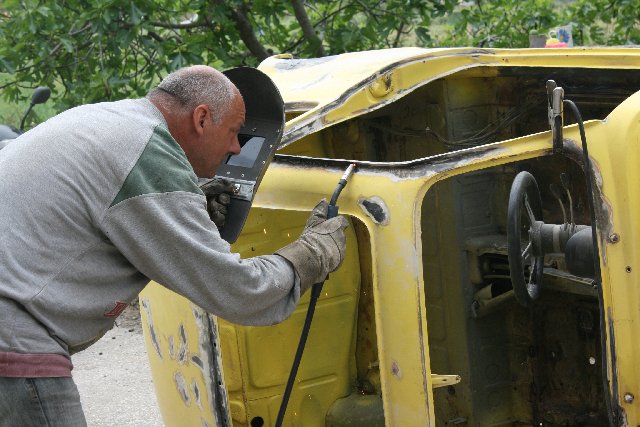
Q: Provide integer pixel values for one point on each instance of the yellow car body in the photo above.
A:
(419, 325)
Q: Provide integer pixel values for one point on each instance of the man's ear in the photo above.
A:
(199, 116)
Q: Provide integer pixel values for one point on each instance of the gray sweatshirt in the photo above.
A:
(94, 203)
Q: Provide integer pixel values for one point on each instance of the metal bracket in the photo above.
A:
(243, 189)
(438, 381)
(555, 113)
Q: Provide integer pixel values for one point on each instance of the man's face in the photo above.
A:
(220, 139)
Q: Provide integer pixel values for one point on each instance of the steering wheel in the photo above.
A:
(526, 257)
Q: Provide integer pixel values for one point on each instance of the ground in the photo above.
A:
(114, 378)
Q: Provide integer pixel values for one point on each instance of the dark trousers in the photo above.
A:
(27, 402)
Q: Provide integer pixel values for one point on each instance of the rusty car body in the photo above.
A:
(421, 324)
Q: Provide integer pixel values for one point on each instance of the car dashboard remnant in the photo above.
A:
(466, 296)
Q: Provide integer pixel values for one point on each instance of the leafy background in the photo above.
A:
(90, 51)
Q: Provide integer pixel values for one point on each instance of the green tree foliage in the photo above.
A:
(95, 50)
(505, 23)
(108, 49)
(605, 22)
(508, 23)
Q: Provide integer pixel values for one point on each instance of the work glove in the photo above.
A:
(218, 192)
(320, 248)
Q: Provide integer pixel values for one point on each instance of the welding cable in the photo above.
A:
(316, 290)
(597, 280)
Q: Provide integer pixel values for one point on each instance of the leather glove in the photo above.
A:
(218, 192)
(319, 250)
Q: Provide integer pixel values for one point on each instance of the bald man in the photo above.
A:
(101, 199)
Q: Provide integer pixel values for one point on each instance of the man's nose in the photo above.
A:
(235, 146)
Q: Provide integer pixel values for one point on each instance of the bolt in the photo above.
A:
(628, 398)
(475, 306)
(614, 238)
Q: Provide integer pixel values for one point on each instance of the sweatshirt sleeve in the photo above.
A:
(159, 222)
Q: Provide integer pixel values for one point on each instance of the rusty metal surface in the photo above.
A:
(428, 180)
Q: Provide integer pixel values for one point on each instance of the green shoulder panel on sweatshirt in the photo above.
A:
(162, 168)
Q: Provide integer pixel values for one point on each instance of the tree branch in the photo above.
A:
(371, 11)
(155, 36)
(307, 28)
(399, 33)
(293, 44)
(81, 30)
(179, 26)
(239, 17)
(8, 84)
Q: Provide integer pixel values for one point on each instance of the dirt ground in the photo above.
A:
(114, 378)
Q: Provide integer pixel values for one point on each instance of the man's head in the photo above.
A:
(204, 112)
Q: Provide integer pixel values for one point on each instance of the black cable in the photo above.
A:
(316, 290)
(597, 280)
(587, 172)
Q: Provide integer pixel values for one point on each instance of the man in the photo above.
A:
(102, 198)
